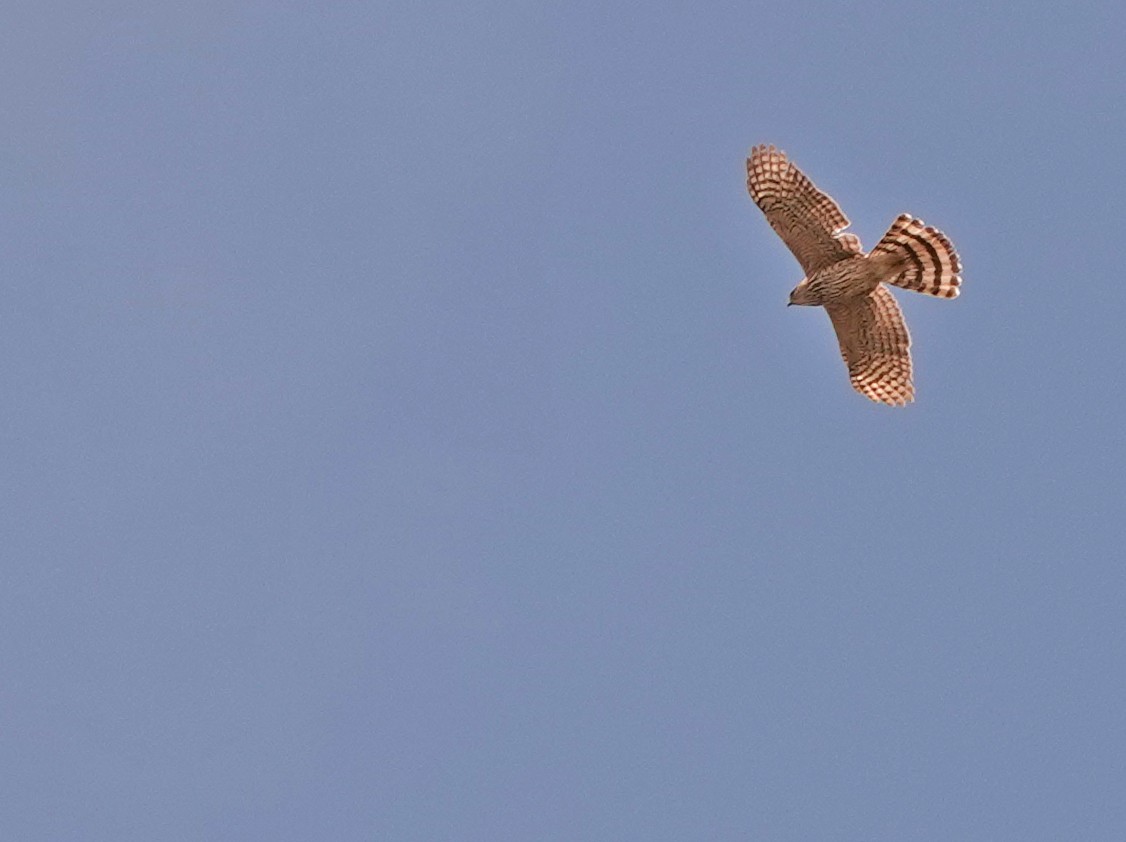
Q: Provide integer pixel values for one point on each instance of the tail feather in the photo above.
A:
(923, 259)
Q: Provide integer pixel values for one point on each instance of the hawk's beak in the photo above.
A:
(789, 303)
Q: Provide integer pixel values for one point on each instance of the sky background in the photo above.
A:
(404, 436)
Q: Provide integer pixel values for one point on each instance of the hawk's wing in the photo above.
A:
(874, 343)
(808, 221)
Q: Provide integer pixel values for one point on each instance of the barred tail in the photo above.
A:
(922, 258)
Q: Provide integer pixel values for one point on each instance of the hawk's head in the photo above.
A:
(802, 294)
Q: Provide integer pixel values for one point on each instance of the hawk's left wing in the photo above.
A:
(809, 222)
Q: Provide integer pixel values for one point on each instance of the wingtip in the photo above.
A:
(766, 150)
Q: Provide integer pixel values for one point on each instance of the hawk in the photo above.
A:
(848, 283)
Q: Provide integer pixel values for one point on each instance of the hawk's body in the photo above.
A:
(848, 283)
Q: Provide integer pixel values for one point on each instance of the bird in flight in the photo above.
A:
(848, 283)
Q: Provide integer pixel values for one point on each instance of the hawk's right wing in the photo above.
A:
(874, 343)
(808, 221)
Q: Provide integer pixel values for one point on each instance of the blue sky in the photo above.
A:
(405, 436)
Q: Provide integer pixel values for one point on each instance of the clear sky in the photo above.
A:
(404, 436)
